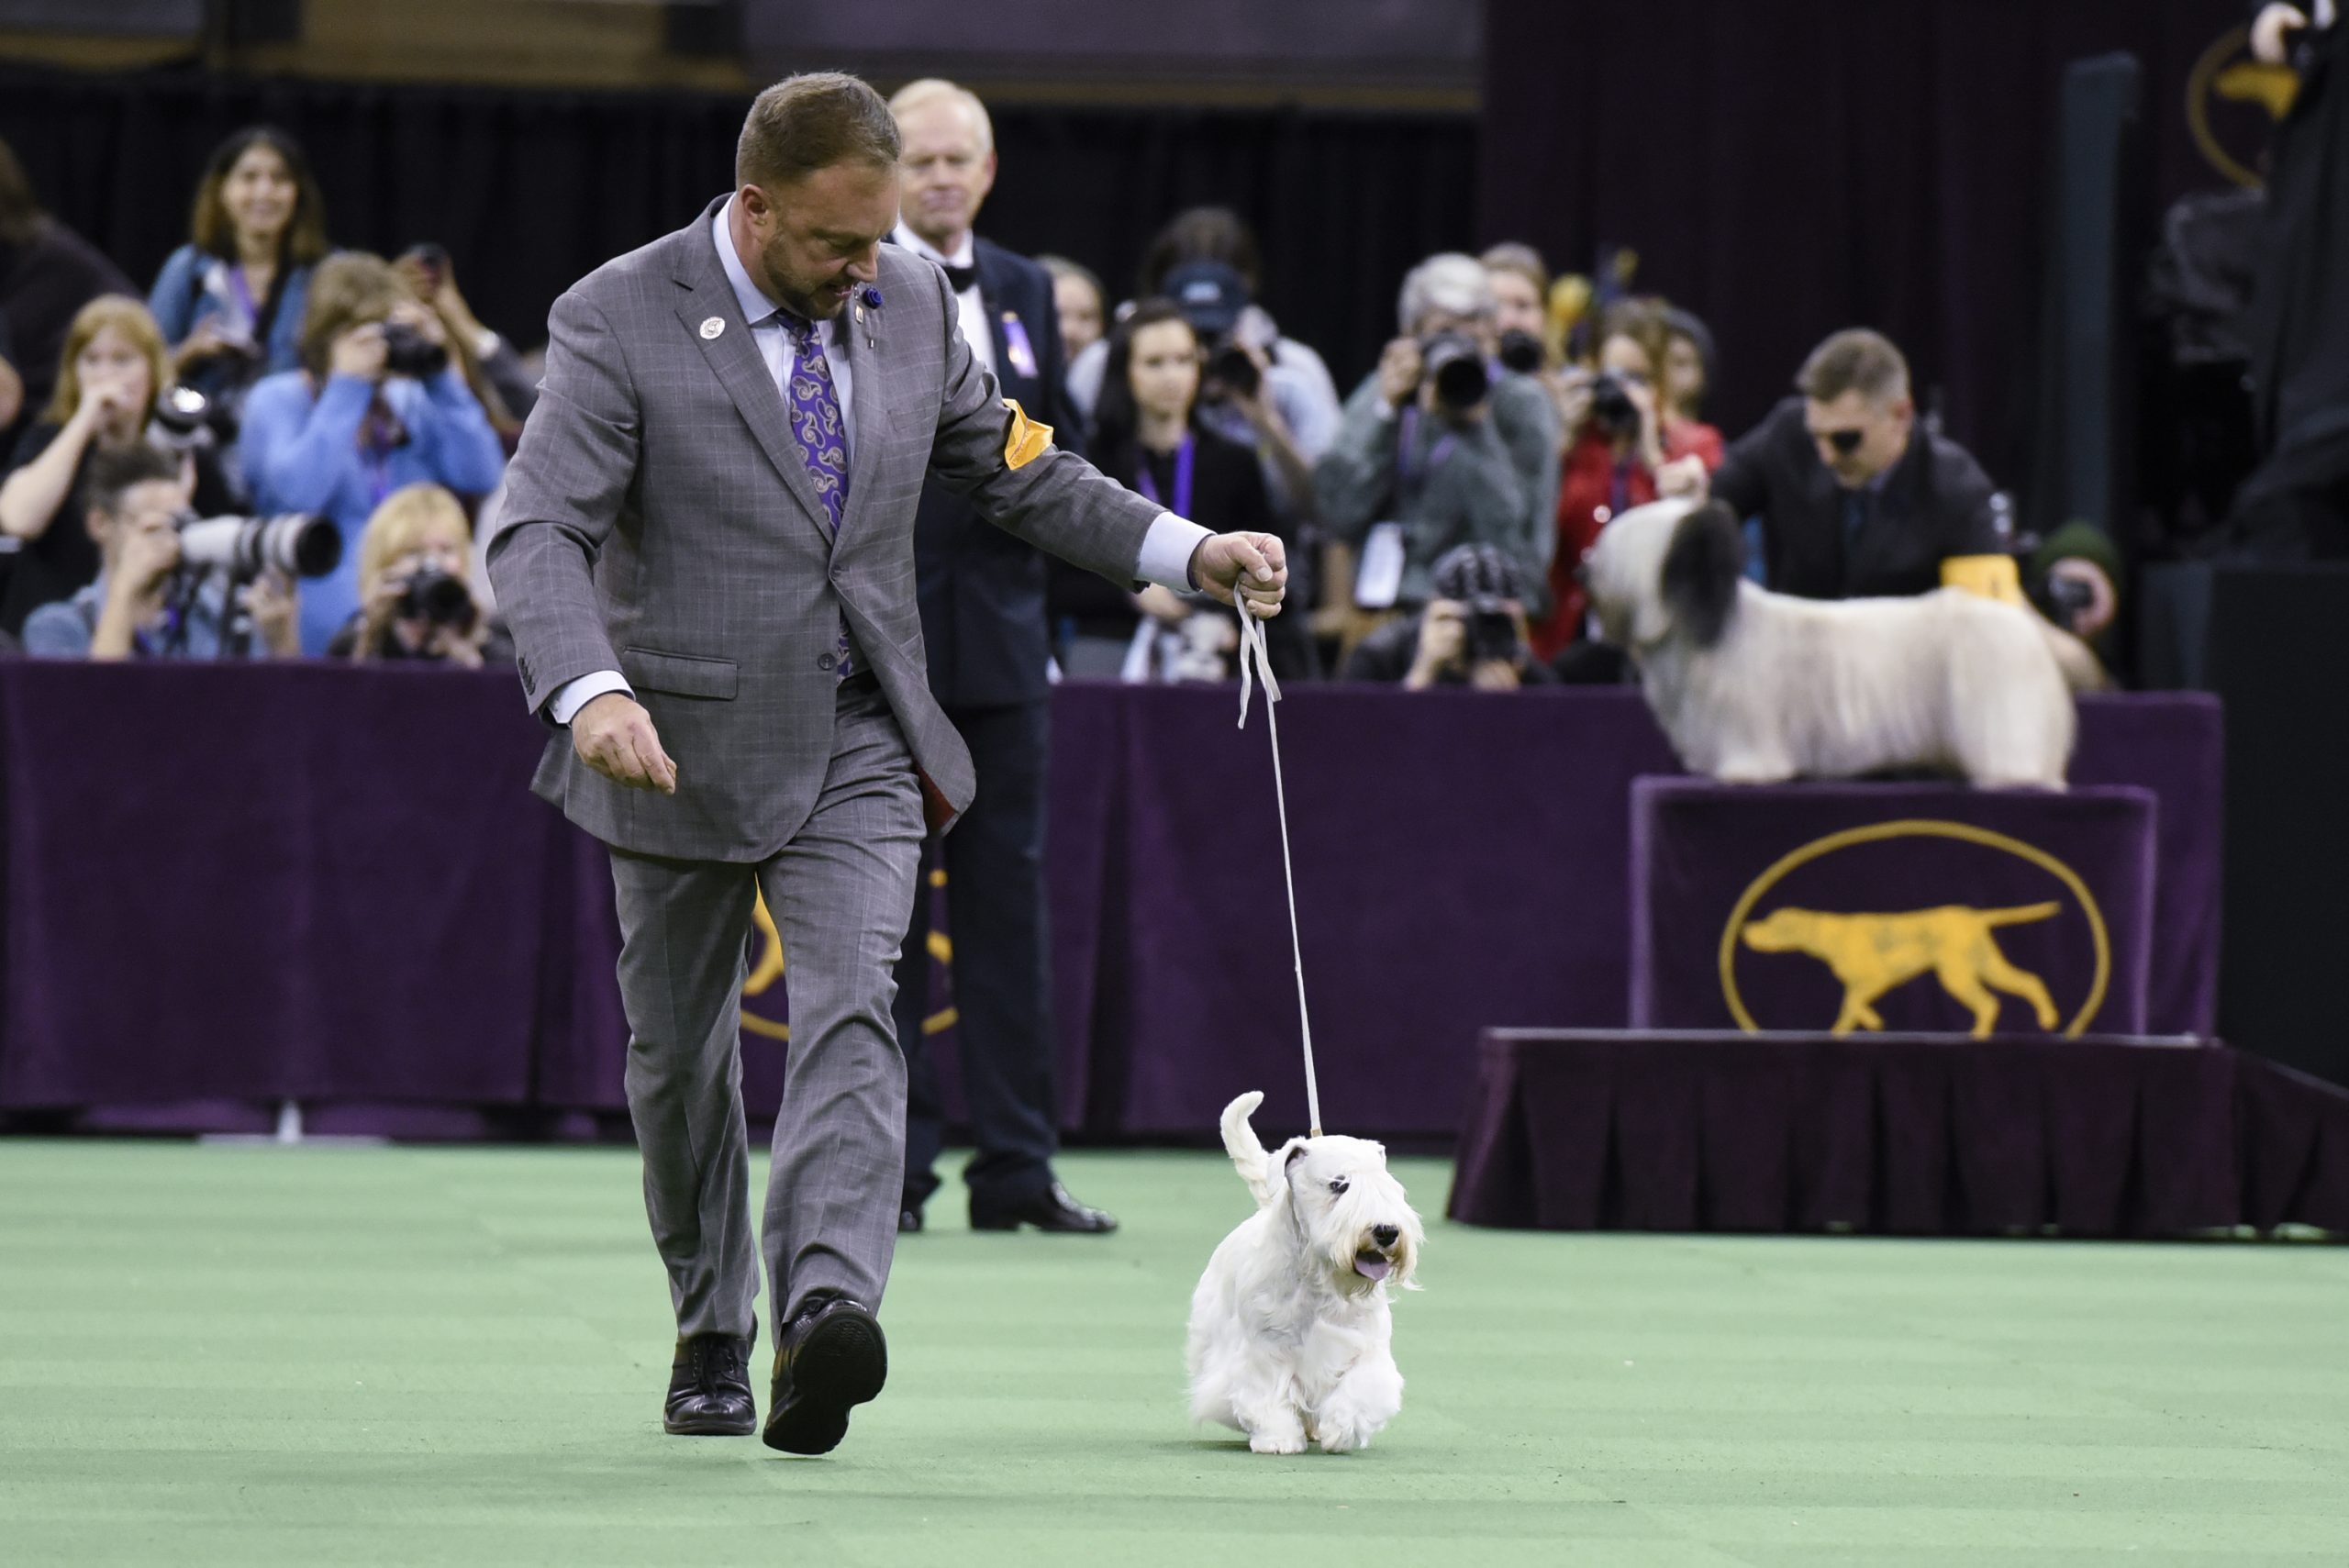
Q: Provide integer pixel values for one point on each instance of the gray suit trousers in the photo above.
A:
(839, 892)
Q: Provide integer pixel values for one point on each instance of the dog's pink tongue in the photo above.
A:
(1371, 1266)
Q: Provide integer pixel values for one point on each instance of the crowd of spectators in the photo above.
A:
(1435, 517)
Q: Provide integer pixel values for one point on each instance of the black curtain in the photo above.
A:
(1789, 168)
(529, 190)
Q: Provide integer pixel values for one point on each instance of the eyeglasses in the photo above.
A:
(1844, 442)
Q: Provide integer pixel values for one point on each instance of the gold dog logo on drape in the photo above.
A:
(1873, 952)
(2234, 102)
(765, 1007)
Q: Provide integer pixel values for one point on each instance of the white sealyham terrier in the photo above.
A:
(1290, 1329)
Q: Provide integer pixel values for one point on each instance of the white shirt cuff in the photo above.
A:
(574, 694)
(1166, 552)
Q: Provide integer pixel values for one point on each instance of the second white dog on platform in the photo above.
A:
(1291, 1334)
(1756, 687)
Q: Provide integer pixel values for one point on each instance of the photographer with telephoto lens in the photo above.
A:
(379, 404)
(154, 596)
(1439, 447)
(1472, 633)
(416, 587)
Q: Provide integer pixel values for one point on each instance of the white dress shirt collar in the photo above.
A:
(755, 304)
(966, 254)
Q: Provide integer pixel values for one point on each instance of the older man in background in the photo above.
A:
(982, 597)
(1441, 446)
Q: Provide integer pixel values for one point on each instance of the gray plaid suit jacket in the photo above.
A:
(663, 525)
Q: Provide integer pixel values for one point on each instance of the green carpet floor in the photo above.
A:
(324, 1356)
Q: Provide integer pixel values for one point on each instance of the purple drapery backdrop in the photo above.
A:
(332, 884)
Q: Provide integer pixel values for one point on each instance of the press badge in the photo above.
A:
(1378, 577)
(1015, 346)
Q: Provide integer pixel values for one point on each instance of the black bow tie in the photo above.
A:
(960, 279)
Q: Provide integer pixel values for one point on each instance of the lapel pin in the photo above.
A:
(870, 299)
(712, 326)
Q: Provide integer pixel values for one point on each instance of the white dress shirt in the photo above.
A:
(970, 309)
(1166, 548)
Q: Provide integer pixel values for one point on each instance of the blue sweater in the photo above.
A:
(302, 453)
(179, 301)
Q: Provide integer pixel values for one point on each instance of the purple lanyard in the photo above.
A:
(1410, 473)
(1185, 455)
(244, 296)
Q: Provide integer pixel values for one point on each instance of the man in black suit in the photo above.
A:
(1855, 499)
(982, 596)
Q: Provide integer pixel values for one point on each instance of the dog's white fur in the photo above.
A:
(1289, 1340)
(1802, 688)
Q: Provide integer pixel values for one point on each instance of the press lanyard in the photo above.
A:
(1185, 457)
(1409, 472)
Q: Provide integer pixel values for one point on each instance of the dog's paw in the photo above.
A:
(1345, 1437)
(1277, 1442)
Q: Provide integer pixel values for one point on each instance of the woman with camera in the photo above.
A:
(230, 301)
(1616, 440)
(112, 372)
(1148, 437)
(378, 404)
(416, 589)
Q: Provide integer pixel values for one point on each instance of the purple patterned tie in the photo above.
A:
(815, 409)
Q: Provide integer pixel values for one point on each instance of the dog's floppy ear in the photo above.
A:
(1701, 569)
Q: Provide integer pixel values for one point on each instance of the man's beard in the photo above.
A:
(821, 304)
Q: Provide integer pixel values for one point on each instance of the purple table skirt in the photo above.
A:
(1901, 1134)
(330, 885)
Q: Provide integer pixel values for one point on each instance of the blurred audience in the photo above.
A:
(1148, 437)
(111, 371)
(379, 404)
(1472, 632)
(1521, 282)
(1246, 398)
(47, 274)
(1301, 384)
(1078, 300)
(1435, 449)
(231, 300)
(505, 386)
(142, 605)
(1618, 437)
(416, 592)
(1687, 375)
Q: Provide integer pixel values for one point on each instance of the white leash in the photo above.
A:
(1253, 662)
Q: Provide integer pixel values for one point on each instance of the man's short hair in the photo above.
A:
(1455, 284)
(936, 89)
(1477, 574)
(115, 471)
(1855, 360)
(1511, 256)
(812, 121)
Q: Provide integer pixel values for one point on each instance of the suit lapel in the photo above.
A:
(734, 357)
(869, 419)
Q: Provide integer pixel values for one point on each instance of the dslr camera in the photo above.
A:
(1453, 365)
(1612, 409)
(409, 352)
(439, 600)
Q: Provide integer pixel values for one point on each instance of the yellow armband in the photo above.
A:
(1026, 440)
(1992, 576)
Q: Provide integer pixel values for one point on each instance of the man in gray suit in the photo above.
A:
(711, 561)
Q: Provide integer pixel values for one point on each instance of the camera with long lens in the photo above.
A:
(1521, 351)
(1489, 634)
(296, 543)
(1229, 363)
(439, 598)
(1612, 409)
(1455, 364)
(409, 352)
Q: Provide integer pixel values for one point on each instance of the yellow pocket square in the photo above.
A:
(1992, 576)
(1026, 440)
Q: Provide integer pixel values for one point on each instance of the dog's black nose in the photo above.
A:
(1384, 1235)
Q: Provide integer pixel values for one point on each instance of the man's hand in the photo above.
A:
(150, 554)
(275, 604)
(1252, 566)
(1398, 372)
(1683, 477)
(1443, 639)
(2269, 42)
(360, 352)
(614, 736)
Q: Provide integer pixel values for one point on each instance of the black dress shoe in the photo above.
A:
(709, 1389)
(1049, 1209)
(829, 1361)
(909, 1219)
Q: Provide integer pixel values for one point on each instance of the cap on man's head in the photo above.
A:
(1479, 575)
(1210, 295)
